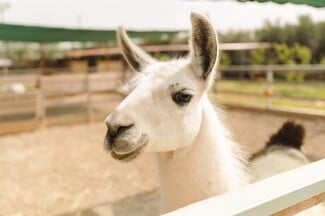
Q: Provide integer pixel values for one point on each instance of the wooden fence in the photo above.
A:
(58, 99)
(66, 98)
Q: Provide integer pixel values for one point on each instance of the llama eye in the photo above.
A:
(182, 97)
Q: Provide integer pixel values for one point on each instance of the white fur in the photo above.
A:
(197, 158)
(276, 159)
(204, 169)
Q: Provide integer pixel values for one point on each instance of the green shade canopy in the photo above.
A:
(314, 3)
(24, 33)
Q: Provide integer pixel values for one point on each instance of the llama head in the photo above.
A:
(163, 108)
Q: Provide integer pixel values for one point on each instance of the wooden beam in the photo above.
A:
(302, 205)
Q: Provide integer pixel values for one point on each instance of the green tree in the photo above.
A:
(236, 36)
(293, 55)
(258, 56)
(319, 50)
(301, 54)
(305, 32)
(322, 61)
(271, 32)
(283, 54)
(225, 59)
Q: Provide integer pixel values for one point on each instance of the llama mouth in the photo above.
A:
(129, 156)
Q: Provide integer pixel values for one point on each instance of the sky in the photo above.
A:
(151, 14)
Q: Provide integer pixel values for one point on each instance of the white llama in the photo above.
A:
(167, 111)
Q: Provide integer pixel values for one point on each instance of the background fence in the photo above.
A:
(67, 97)
(57, 99)
(289, 87)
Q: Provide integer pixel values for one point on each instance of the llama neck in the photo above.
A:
(201, 170)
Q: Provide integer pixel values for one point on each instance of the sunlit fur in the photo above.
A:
(197, 158)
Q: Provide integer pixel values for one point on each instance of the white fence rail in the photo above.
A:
(284, 194)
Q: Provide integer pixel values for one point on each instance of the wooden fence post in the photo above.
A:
(40, 106)
(89, 98)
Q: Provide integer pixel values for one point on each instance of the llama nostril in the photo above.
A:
(121, 129)
(113, 132)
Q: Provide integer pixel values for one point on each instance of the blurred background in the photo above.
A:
(61, 73)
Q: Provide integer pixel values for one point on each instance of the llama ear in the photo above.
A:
(204, 46)
(136, 57)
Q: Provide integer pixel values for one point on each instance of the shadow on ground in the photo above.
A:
(145, 204)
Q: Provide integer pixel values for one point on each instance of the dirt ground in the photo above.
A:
(65, 171)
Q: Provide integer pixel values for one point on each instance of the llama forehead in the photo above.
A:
(171, 76)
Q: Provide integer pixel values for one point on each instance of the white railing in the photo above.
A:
(284, 194)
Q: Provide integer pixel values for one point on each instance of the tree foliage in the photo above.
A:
(258, 56)
(307, 33)
(225, 59)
